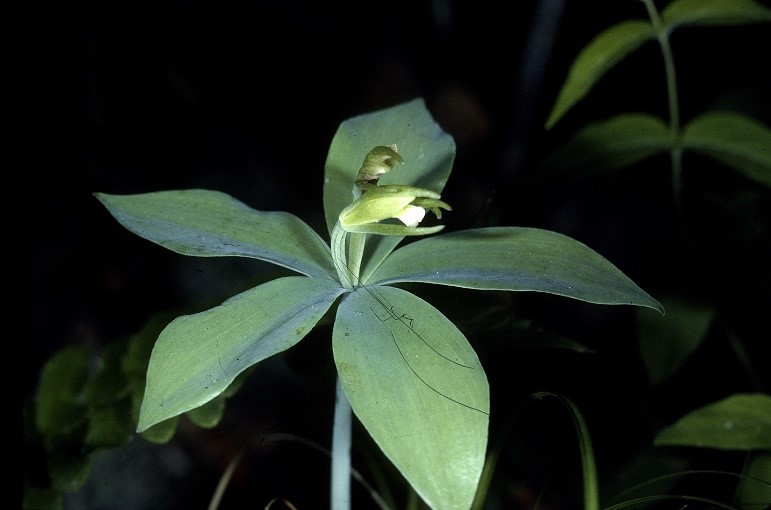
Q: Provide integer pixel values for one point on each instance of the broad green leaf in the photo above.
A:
(515, 259)
(739, 422)
(198, 356)
(611, 144)
(60, 401)
(713, 12)
(204, 223)
(735, 140)
(667, 342)
(417, 386)
(140, 347)
(427, 150)
(135, 363)
(604, 51)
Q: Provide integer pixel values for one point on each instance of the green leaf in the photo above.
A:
(611, 144)
(60, 400)
(713, 12)
(516, 259)
(161, 433)
(427, 150)
(69, 472)
(110, 425)
(111, 421)
(204, 223)
(111, 382)
(198, 356)
(418, 388)
(604, 51)
(667, 342)
(209, 414)
(754, 492)
(733, 139)
(739, 422)
(141, 346)
(41, 498)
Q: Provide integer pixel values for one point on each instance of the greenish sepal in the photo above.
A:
(371, 208)
(433, 205)
(387, 229)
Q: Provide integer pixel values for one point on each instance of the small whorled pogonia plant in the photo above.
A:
(407, 372)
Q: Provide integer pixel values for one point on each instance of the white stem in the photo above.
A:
(340, 490)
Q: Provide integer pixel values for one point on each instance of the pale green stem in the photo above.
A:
(676, 152)
(339, 257)
(348, 265)
(340, 486)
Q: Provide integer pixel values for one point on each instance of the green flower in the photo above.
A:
(374, 203)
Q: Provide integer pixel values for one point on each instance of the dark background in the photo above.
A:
(245, 97)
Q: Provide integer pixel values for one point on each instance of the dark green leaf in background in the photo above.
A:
(738, 422)
(754, 493)
(60, 399)
(667, 342)
(735, 140)
(714, 12)
(607, 145)
(607, 49)
(69, 472)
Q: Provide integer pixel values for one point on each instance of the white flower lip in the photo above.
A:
(411, 215)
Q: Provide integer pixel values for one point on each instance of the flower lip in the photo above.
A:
(411, 215)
